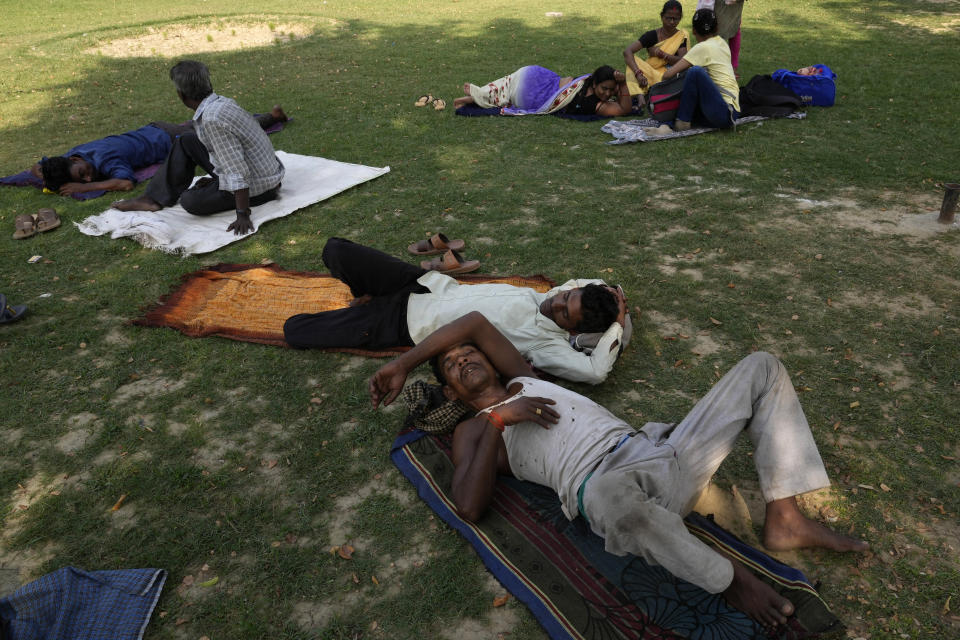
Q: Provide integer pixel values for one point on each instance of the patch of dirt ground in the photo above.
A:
(175, 40)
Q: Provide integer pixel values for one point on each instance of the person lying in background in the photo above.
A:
(537, 90)
(110, 163)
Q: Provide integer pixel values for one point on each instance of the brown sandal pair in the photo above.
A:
(439, 104)
(451, 262)
(28, 225)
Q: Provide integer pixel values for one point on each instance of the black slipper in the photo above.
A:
(8, 313)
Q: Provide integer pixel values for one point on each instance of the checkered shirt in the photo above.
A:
(240, 151)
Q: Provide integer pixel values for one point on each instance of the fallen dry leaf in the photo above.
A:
(346, 551)
(374, 625)
(867, 486)
(181, 621)
(188, 580)
(374, 580)
(854, 404)
(119, 502)
(502, 600)
(884, 487)
(356, 580)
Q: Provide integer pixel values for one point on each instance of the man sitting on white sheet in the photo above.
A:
(228, 144)
(633, 487)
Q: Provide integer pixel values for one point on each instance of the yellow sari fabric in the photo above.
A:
(654, 67)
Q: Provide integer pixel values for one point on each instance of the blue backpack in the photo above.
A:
(818, 91)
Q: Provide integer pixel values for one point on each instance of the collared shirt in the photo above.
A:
(240, 151)
(120, 155)
(515, 311)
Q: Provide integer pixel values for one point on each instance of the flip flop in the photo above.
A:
(423, 100)
(434, 245)
(47, 220)
(10, 313)
(26, 226)
(450, 264)
(439, 104)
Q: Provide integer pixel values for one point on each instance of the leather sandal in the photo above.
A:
(423, 100)
(451, 263)
(437, 244)
(26, 226)
(47, 220)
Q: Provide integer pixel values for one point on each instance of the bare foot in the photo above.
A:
(278, 113)
(755, 598)
(786, 528)
(364, 299)
(142, 203)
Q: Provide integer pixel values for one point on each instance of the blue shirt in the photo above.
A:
(118, 156)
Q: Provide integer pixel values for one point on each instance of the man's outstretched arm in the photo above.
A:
(474, 327)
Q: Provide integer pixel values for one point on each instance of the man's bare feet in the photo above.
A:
(278, 113)
(142, 203)
(755, 598)
(463, 101)
(787, 528)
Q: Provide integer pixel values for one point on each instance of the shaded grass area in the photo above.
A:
(791, 237)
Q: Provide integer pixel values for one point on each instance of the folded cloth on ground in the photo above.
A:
(575, 589)
(27, 179)
(633, 130)
(251, 302)
(72, 603)
(308, 180)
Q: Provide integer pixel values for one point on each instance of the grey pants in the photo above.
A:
(638, 495)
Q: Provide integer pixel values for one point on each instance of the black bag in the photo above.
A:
(764, 96)
(663, 99)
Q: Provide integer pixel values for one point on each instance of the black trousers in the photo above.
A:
(378, 324)
(172, 181)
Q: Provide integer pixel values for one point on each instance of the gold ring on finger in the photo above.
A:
(539, 410)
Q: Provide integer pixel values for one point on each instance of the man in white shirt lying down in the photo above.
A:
(399, 304)
(633, 487)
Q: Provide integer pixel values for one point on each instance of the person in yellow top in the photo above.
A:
(665, 46)
(711, 96)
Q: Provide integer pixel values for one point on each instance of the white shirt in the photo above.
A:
(561, 457)
(515, 312)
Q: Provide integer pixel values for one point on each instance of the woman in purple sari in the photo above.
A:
(535, 90)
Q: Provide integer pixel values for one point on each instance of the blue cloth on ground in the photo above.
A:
(72, 604)
(818, 91)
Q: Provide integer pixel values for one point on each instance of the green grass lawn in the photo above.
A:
(814, 239)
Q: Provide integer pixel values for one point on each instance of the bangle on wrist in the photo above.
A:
(244, 212)
(495, 419)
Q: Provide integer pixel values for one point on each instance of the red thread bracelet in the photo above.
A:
(495, 420)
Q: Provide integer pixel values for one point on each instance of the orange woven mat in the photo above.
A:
(251, 302)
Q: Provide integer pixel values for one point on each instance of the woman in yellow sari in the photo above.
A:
(665, 46)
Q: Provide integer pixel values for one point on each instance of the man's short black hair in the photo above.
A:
(56, 172)
(599, 309)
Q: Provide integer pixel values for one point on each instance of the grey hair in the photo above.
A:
(192, 79)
